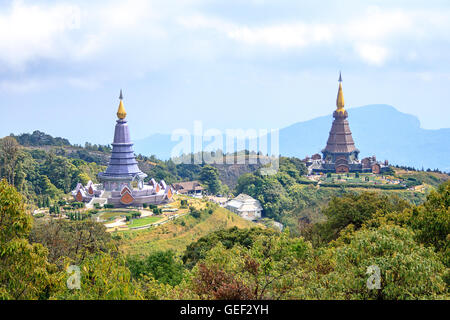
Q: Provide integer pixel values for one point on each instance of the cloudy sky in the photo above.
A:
(230, 63)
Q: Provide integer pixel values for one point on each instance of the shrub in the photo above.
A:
(157, 211)
(135, 214)
(77, 205)
(184, 203)
(194, 212)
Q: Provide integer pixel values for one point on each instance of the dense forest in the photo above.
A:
(39, 174)
(371, 246)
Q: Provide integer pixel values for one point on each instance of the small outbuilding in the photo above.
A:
(191, 188)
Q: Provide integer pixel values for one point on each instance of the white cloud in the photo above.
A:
(21, 86)
(372, 54)
(144, 30)
(379, 24)
(126, 14)
(61, 31)
(284, 36)
(372, 35)
(289, 35)
(29, 31)
(35, 84)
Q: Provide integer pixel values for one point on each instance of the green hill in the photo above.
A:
(176, 235)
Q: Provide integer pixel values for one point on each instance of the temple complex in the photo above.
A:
(122, 184)
(340, 154)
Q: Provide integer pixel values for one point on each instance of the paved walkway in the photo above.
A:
(117, 223)
(145, 213)
(160, 222)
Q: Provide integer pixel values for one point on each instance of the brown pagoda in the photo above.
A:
(340, 154)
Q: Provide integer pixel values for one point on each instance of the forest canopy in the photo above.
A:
(411, 257)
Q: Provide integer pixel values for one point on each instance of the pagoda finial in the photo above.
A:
(121, 113)
(340, 96)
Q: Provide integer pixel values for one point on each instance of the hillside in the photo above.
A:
(178, 234)
(378, 130)
(48, 173)
(431, 178)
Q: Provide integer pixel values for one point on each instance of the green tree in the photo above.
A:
(355, 209)
(102, 276)
(209, 176)
(71, 239)
(407, 270)
(8, 156)
(269, 269)
(14, 221)
(160, 265)
(229, 238)
(25, 272)
(431, 221)
(83, 178)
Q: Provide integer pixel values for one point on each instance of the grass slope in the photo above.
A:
(177, 234)
(432, 178)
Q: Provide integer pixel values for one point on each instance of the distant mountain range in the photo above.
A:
(378, 130)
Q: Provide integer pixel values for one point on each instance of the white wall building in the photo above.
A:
(245, 206)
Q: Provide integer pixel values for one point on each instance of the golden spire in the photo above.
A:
(121, 113)
(340, 97)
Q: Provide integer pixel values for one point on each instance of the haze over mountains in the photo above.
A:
(378, 130)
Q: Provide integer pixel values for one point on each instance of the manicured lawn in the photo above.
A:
(111, 215)
(351, 178)
(143, 221)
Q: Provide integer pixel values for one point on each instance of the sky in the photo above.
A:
(230, 64)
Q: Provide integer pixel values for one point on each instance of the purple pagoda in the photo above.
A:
(122, 184)
(122, 168)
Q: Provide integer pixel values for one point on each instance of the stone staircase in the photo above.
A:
(101, 200)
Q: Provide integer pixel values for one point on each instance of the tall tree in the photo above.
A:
(210, 177)
(9, 154)
(25, 272)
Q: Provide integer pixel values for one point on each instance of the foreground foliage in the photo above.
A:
(371, 247)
